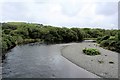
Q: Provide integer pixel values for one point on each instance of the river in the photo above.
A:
(41, 61)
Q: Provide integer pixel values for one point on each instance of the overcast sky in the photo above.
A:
(66, 13)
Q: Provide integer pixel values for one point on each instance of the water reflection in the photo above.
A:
(41, 61)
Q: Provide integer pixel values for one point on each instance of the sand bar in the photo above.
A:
(98, 64)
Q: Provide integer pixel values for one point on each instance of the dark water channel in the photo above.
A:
(41, 61)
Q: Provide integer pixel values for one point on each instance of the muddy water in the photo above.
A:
(41, 61)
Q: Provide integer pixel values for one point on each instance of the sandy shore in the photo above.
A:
(98, 64)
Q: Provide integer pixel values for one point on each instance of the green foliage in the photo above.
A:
(119, 35)
(104, 43)
(112, 38)
(4, 46)
(8, 42)
(7, 31)
(105, 38)
(110, 42)
(18, 39)
(98, 40)
(8, 26)
(91, 51)
(14, 33)
(79, 33)
(25, 41)
(117, 46)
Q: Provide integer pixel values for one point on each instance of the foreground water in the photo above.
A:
(41, 61)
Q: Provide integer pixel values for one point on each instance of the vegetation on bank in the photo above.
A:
(110, 42)
(91, 51)
(15, 33)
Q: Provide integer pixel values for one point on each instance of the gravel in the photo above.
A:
(98, 64)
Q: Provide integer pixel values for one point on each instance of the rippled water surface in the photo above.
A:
(41, 61)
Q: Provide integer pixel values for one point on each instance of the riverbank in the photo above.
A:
(104, 65)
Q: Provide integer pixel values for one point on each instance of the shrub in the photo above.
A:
(98, 39)
(4, 46)
(104, 43)
(112, 43)
(117, 46)
(7, 31)
(91, 51)
(119, 35)
(112, 38)
(18, 39)
(105, 37)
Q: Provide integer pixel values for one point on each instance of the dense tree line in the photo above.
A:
(14, 33)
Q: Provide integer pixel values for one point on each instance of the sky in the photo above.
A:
(62, 13)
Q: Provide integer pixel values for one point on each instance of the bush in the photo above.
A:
(112, 43)
(4, 46)
(105, 37)
(112, 38)
(119, 35)
(98, 40)
(117, 46)
(91, 51)
(104, 43)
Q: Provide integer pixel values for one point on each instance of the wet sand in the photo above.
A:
(98, 64)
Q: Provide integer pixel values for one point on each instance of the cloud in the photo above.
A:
(13, 11)
(69, 13)
(71, 7)
(106, 8)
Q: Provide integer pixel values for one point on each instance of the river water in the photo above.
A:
(41, 61)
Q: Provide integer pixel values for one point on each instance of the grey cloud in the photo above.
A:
(89, 25)
(71, 9)
(66, 16)
(13, 11)
(106, 8)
